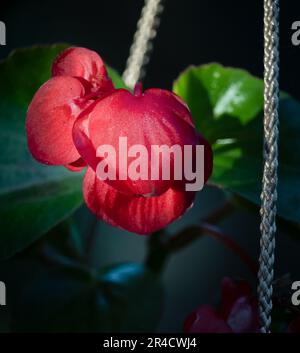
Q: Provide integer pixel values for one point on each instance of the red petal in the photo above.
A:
(206, 320)
(181, 109)
(178, 106)
(231, 292)
(142, 215)
(81, 138)
(243, 317)
(294, 326)
(189, 322)
(143, 120)
(76, 166)
(50, 119)
(80, 62)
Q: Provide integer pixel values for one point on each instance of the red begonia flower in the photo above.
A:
(155, 117)
(78, 110)
(238, 312)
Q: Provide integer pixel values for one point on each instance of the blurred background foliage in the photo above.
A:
(71, 266)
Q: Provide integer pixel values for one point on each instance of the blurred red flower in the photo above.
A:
(238, 312)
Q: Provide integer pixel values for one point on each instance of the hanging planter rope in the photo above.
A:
(146, 31)
(141, 46)
(270, 153)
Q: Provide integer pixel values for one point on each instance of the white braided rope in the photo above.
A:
(146, 31)
(269, 183)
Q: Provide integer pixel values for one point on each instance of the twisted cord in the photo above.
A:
(141, 46)
(270, 153)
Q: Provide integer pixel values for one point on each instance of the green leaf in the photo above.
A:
(116, 78)
(33, 197)
(227, 105)
(71, 237)
(121, 298)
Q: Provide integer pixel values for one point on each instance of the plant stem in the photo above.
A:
(162, 244)
(157, 251)
(190, 234)
(90, 240)
(216, 233)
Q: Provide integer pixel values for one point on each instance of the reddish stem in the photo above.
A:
(162, 243)
(138, 89)
(190, 234)
(216, 233)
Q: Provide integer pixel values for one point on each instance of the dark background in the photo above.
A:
(191, 32)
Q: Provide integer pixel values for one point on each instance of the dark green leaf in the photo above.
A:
(227, 105)
(121, 298)
(70, 238)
